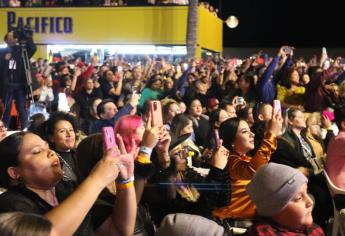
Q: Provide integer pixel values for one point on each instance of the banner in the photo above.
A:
(100, 25)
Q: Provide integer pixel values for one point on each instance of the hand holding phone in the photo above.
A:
(108, 137)
(328, 114)
(240, 100)
(156, 113)
(287, 50)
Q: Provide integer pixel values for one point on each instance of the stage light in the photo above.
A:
(232, 22)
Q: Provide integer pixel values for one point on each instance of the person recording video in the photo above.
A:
(14, 81)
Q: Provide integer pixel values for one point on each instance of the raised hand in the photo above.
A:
(126, 164)
(151, 135)
(275, 125)
(107, 169)
(220, 157)
(325, 122)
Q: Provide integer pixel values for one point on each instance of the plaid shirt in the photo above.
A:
(271, 229)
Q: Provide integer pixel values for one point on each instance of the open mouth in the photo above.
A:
(56, 163)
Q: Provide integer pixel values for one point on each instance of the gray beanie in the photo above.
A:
(273, 186)
(180, 224)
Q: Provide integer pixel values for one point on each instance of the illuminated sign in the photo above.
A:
(40, 24)
(156, 25)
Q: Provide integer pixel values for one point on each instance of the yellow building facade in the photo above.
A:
(165, 26)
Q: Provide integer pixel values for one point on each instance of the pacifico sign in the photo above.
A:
(40, 24)
(100, 25)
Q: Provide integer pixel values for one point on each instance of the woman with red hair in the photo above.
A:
(130, 127)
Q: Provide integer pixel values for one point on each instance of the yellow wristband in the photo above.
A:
(143, 159)
(124, 186)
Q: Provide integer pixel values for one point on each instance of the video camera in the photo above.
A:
(22, 33)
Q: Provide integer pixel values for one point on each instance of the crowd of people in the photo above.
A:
(224, 157)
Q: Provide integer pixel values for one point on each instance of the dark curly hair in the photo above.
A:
(49, 125)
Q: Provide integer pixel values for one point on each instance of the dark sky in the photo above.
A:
(274, 23)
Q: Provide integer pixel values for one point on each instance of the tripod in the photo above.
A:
(26, 62)
(18, 92)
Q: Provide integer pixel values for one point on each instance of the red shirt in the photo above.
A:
(266, 228)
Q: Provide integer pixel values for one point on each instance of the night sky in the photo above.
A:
(274, 23)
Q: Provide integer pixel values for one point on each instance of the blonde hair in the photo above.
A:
(313, 119)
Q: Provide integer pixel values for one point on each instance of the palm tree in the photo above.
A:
(192, 28)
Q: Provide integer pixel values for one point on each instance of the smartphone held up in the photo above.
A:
(216, 138)
(288, 50)
(108, 137)
(277, 107)
(240, 101)
(156, 113)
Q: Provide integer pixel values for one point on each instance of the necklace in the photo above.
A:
(67, 171)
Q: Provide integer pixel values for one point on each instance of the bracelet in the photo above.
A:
(143, 158)
(124, 186)
(126, 181)
(146, 150)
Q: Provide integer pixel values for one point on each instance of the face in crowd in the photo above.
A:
(38, 166)
(63, 137)
(244, 140)
(196, 108)
(173, 110)
(297, 120)
(298, 213)
(89, 84)
(231, 110)
(237, 136)
(3, 130)
(137, 73)
(110, 110)
(10, 39)
(294, 77)
(110, 76)
(266, 113)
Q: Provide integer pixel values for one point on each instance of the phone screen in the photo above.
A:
(287, 50)
(276, 106)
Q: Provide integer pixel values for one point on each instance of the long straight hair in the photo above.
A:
(228, 130)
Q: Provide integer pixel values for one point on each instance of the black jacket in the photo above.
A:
(12, 71)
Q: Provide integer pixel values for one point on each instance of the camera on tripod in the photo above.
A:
(22, 33)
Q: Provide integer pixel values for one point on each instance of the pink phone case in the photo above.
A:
(329, 114)
(108, 137)
(216, 138)
(156, 111)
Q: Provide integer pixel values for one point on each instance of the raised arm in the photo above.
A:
(69, 214)
(241, 169)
